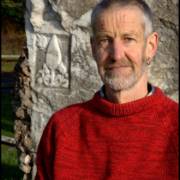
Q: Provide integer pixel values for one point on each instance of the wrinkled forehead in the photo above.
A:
(118, 16)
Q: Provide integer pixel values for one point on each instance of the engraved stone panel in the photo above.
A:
(54, 73)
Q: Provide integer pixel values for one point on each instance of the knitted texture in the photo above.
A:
(100, 140)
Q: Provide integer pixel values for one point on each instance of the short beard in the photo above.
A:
(118, 83)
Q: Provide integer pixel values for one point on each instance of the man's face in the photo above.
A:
(119, 47)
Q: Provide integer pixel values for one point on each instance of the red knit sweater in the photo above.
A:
(99, 140)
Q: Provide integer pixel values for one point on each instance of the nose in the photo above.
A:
(117, 50)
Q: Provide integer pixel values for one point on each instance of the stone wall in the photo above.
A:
(62, 69)
(165, 69)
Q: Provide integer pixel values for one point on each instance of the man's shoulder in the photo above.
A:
(170, 103)
(169, 110)
(165, 99)
(69, 110)
(69, 114)
(171, 114)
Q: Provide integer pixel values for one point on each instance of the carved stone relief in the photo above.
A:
(53, 73)
(70, 6)
(37, 13)
(70, 14)
(43, 19)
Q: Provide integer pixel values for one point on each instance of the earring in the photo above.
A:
(148, 61)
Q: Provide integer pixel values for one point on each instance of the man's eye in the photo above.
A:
(104, 41)
(129, 39)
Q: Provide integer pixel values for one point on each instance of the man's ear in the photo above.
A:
(151, 45)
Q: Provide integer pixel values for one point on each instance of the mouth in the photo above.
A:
(117, 67)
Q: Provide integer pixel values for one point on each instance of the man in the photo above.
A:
(128, 130)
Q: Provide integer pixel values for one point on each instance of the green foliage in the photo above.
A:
(9, 155)
(13, 9)
(7, 66)
(9, 162)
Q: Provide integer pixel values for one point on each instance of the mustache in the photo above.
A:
(121, 63)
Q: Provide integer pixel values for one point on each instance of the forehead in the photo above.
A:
(129, 18)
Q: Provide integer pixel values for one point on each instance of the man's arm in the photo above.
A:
(45, 153)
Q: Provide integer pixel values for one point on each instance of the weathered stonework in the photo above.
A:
(62, 69)
(164, 70)
(22, 105)
(73, 8)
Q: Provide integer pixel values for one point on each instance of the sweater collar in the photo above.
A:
(150, 90)
(113, 109)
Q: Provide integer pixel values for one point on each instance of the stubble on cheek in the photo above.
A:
(124, 78)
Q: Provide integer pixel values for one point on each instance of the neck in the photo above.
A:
(138, 91)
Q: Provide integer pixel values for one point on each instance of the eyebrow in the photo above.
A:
(130, 34)
(106, 33)
(103, 33)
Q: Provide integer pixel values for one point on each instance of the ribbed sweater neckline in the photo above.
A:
(125, 109)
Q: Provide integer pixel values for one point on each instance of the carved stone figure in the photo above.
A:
(54, 72)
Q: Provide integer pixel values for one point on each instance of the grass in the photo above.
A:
(7, 66)
(9, 162)
(9, 156)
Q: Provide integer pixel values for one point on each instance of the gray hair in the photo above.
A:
(142, 5)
